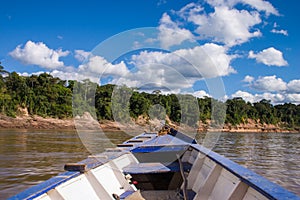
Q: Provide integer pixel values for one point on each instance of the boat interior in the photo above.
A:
(155, 167)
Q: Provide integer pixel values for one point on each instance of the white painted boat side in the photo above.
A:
(206, 178)
(209, 176)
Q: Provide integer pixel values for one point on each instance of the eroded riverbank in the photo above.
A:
(88, 123)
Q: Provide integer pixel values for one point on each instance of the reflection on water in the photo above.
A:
(28, 158)
(275, 156)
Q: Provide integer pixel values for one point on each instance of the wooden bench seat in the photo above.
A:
(155, 167)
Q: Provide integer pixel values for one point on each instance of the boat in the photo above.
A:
(164, 165)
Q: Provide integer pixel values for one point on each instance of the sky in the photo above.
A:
(218, 48)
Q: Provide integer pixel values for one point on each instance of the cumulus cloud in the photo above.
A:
(173, 72)
(98, 66)
(206, 61)
(211, 60)
(269, 83)
(270, 57)
(201, 94)
(29, 74)
(190, 11)
(178, 70)
(275, 98)
(39, 54)
(294, 98)
(262, 5)
(74, 75)
(224, 25)
(81, 55)
(272, 88)
(245, 95)
(248, 79)
(170, 33)
(95, 68)
(274, 84)
(230, 22)
(294, 86)
(259, 5)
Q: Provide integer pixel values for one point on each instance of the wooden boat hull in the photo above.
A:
(148, 166)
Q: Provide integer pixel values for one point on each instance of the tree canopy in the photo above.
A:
(48, 96)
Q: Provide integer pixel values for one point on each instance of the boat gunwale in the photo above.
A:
(261, 184)
(45, 186)
(91, 162)
(266, 187)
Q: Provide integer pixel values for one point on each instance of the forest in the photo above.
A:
(48, 96)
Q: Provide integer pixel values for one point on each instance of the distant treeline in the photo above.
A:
(47, 96)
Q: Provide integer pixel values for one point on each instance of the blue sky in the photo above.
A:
(253, 46)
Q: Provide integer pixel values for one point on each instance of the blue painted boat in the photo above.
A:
(157, 166)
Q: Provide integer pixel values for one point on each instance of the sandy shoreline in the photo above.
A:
(88, 123)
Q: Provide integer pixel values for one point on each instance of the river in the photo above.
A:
(30, 157)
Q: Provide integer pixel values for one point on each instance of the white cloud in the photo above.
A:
(269, 83)
(270, 57)
(230, 22)
(95, 68)
(201, 94)
(29, 74)
(248, 79)
(293, 98)
(294, 86)
(39, 54)
(170, 34)
(189, 11)
(218, 3)
(179, 70)
(259, 5)
(206, 61)
(74, 75)
(245, 95)
(274, 89)
(283, 32)
(211, 60)
(275, 98)
(100, 67)
(262, 5)
(172, 72)
(82, 55)
(228, 26)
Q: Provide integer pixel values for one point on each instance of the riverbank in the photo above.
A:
(88, 123)
(41, 123)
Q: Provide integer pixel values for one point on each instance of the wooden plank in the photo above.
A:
(145, 168)
(155, 167)
(239, 191)
(254, 195)
(206, 189)
(75, 167)
(228, 186)
(195, 170)
(135, 141)
(54, 194)
(124, 145)
(98, 188)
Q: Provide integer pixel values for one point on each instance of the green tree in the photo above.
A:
(237, 111)
(266, 112)
(139, 105)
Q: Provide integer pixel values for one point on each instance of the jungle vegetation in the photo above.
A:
(48, 96)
